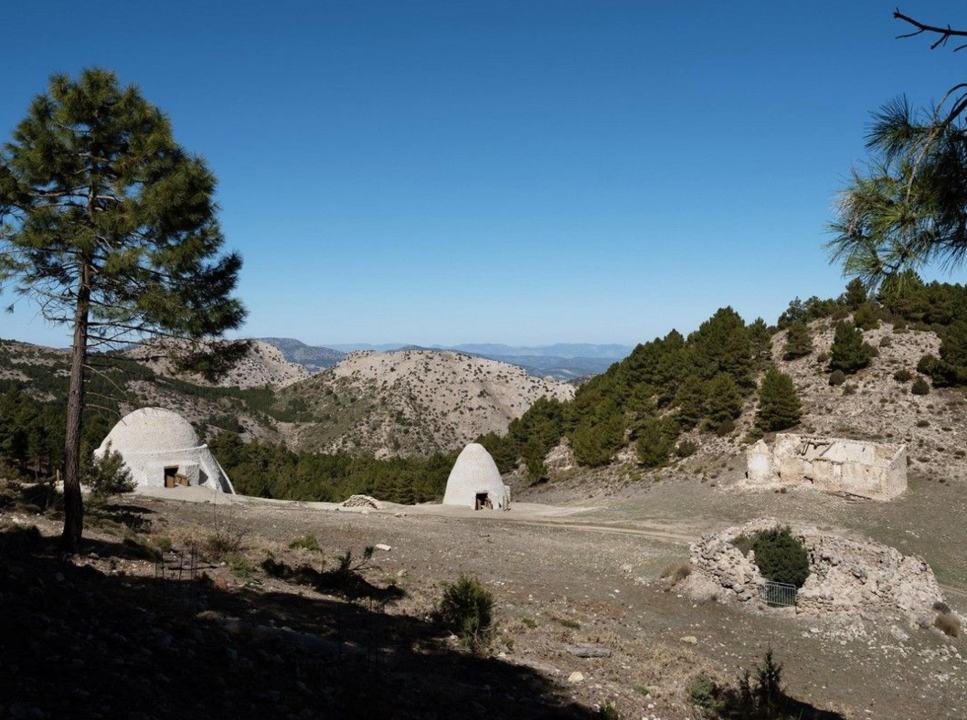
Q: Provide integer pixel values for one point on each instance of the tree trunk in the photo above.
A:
(73, 504)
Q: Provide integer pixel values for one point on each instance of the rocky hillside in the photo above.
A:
(122, 384)
(871, 405)
(264, 365)
(411, 402)
(313, 358)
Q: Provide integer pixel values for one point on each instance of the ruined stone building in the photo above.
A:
(475, 481)
(161, 449)
(866, 469)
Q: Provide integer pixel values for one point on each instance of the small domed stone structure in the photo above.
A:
(161, 449)
(475, 481)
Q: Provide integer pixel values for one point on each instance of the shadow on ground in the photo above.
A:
(78, 643)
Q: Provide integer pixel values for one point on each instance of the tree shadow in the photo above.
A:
(345, 581)
(76, 642)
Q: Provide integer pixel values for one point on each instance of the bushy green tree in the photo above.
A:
(779, 404)
(690, 400)
(107, 475)
(855, 294)
(781, 557)
(724, 402)
(110, 227)
(655, 443)
(595, 441)
(866, 317)
(799, 341)
(849, 352)
(760, 341)
(950, 369)
(721, 345)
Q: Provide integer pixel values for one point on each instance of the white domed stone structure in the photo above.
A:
(475, 481)
(161, 449)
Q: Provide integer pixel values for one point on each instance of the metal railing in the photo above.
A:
(777, 594)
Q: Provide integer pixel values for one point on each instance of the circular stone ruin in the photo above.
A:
(849, 579)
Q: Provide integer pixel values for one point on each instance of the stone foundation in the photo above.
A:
(862, 579)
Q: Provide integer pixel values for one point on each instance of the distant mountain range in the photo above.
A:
(564, 361)
(560, 350)
(312, 357)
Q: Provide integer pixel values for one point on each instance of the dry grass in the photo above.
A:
(676, 572)
(948, 623)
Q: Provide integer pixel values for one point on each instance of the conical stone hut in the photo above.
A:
(161, 449)
(475, 481)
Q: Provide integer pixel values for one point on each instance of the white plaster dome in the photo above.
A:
(475, 478)
(152, 429)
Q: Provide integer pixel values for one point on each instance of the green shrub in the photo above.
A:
(886, 341)
(920, 387)
(837, 378)
(866, 317)
(467, 610)
(927, 364)
(107, 474)
(849, 389)
(529, 621)
(822, 358)
(686, 448)
(725, 427)
(902, 376)
(306, 542)
(608, 711)
(702, 692)
(141, 548)
(240, 566)
(781, 557)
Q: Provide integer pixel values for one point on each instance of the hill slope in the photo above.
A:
(121, 384)
(313, 358)
(411, 402)
(264, 364)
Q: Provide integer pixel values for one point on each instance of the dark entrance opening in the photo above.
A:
(483, 501)
(174, 478)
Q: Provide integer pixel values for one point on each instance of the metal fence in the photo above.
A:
(176, 573)
(777, 594)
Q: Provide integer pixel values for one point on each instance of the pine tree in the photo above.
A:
(654, 443)
(799, 341)
(855, 294)
(779, 405)
(723, 401)
(760, 340)
(110, 228)
(690, 400)
(849, 353)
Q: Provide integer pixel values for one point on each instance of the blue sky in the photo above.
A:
(520, 172)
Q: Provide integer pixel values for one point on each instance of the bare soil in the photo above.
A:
(575, 574)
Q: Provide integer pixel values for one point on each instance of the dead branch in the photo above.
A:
(945, 33)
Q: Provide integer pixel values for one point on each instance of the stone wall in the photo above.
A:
(859, 578)
(873, 470)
